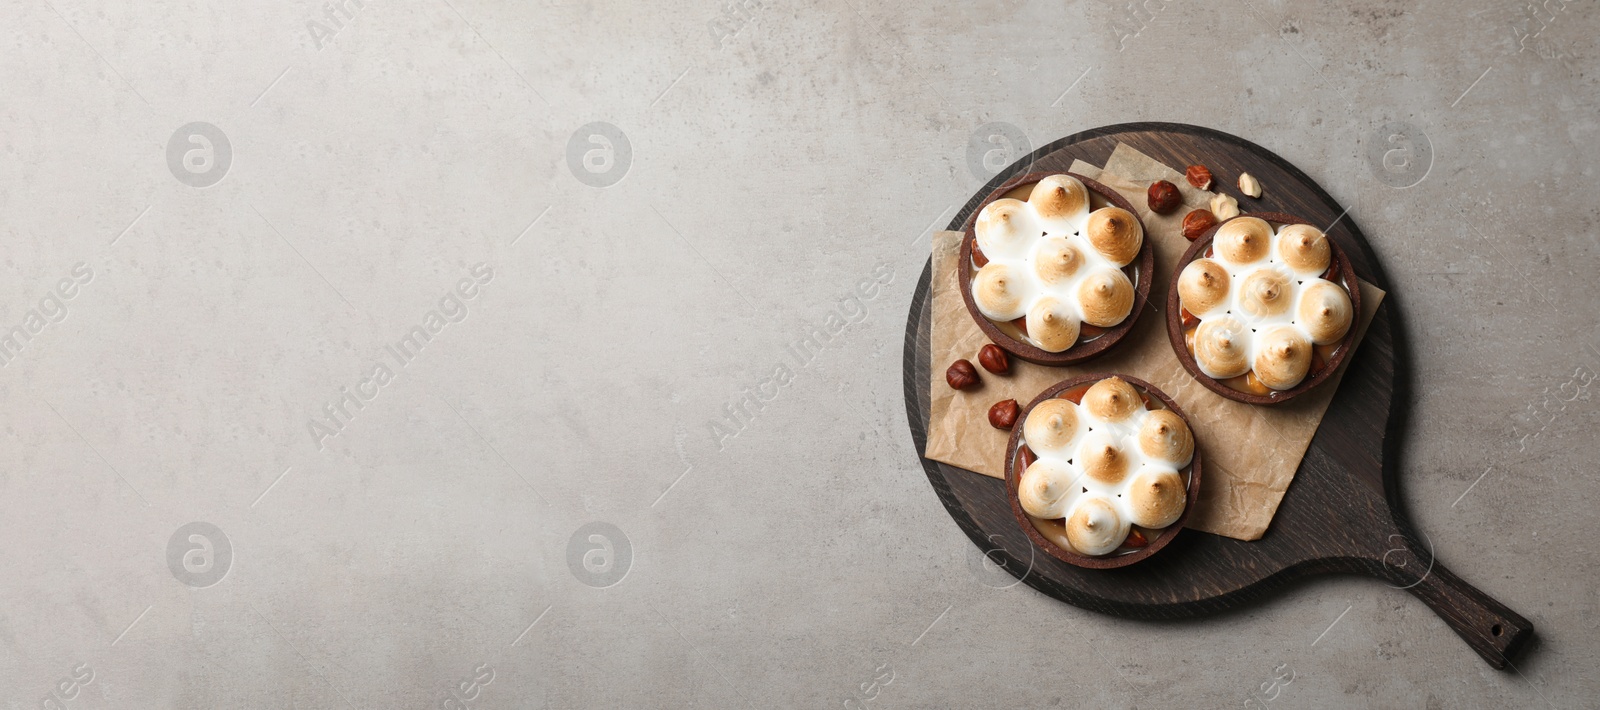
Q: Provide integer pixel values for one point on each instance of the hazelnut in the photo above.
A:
(1136, 539)
(1163, 197)
(1026, 457)
(993, 359)
(1224, 207)
(1197, 222)
(1249, 185)
(961, 375)
(1198, 176)
(1003, 415)
(979, 259)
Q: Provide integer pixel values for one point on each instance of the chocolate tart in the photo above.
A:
(1339, 272)
(1072, 389)
(1139, 272)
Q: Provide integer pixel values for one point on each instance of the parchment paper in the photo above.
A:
(1251, 452)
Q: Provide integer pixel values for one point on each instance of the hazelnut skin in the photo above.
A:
(1003, 415)
(961, 375)
(1197, 222)
(993, 359)
(1163, 197)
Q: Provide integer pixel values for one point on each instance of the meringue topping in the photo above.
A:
(1046, 489)
(1056, 260)
(1006, 229)
(1106, 297)
(1054, 249)
(1052, 325)
(1051, 426)
(1262, 302)
(1112, 400)
(1155, 498)
(1102, 465)
(1264, 293)
(998, 290)
(1102, 459)
(1115, 233)
(1095, 528)
(1304, 249)
(1325, 312)
(1283, 356)
(1164, 435)
(1203, 286)
(1059, 198)
(1222, 347)
(1242, 240)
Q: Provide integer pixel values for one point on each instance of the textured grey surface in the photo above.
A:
(778, 155)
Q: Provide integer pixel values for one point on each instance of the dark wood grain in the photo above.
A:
(1344, 513)
(1191, 473)
(1144, 266)
(1346, 278)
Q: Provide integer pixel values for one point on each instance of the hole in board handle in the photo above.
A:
(1496, 630)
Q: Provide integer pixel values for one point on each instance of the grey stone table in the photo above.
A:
(461, 353)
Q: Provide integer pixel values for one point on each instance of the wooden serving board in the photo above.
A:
(1343, 513)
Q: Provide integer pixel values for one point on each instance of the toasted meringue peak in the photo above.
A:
(1222, 347)
(1101, 458)
(1242, 240)
(1304, 248)
(1112, 400)
(1056, 260)
(1045, 490)
(1325, 311)
(998, 290)
(1059, 198)
(1155, 498)
(1265, 293)
(1006, 229)
(1115, 233)
(1283, 357)
(1164, 435)
(1203, 286)
(1051, 426)
(1106, 297)
(1052, 325)
(1094, 528)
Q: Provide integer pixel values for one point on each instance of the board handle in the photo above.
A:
(1496, 632)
